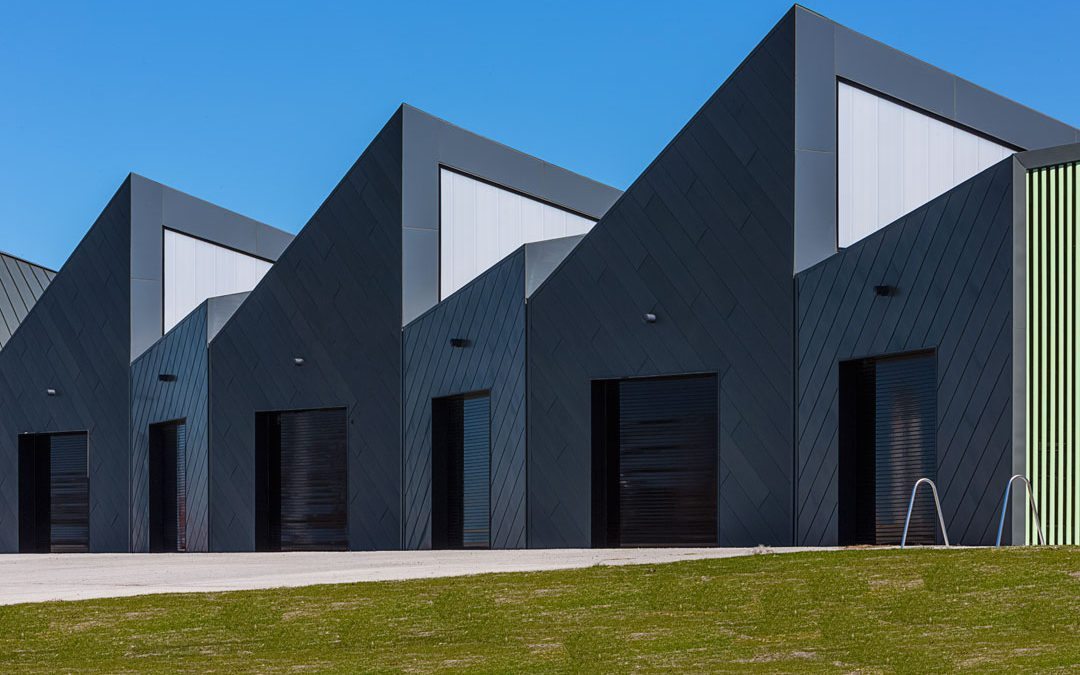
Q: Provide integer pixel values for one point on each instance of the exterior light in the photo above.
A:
(298, 360)
(459, 343)
(50, 392)
(649, 317)
(166, 377)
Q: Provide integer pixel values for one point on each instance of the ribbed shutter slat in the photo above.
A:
(69, 494)
(476, 462)
(181, 487)
(668, 462)
(313, 480)
(905, 446)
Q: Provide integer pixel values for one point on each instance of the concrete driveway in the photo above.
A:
(37, 578)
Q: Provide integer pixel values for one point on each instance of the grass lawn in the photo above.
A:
(915, 610)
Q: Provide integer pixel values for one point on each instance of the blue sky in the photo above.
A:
(262, 106)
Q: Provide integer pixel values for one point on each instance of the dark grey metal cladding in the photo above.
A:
(182, 355)
(75, 340)
(154, 206)
(489, 312)
(429, 143)
(334, 299)
(21, 284)
(951, 263)
(79, 336)
(703, 239)
(826, 51)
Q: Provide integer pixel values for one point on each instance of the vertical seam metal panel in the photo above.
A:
(1052, 434)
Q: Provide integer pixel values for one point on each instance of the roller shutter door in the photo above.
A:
(69, 494)
(905, 446)
(476, 479)
(181, 487)
(667, 463)
(313, 480)
(168, 487)
(461, 472)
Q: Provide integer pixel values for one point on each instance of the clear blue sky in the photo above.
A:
(262, 106)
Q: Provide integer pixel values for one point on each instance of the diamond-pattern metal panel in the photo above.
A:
(489, 312)
(333, 299)
(703, 239)
(950, 263)
(180, 354)
(75, 340)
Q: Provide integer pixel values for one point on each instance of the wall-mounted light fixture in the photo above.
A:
(459, 343)
(50, 392)
(298, 360)
(885, 290)
(649, 317)
(166, 377)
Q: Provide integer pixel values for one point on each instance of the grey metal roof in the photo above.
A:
(21, 284)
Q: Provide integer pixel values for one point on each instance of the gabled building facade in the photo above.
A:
(850, 270)
(301, 386)
(465, 374)
(682, 378)
(64, 433)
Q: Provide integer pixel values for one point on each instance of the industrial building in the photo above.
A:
(291, 395)
(152, 255)
(848, 271)
(686, 370)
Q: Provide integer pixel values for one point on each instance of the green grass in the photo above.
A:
(878, 611)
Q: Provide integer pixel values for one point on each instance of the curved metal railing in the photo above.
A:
(911, 505)
(1031, 500)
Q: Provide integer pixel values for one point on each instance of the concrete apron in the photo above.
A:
(39, 578)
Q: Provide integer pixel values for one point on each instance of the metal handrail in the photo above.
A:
(1034, 509)
(911, 505)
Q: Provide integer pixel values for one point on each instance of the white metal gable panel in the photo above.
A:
(893, 159)
(480, 224)
(196, 270)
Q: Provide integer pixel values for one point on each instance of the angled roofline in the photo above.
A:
(1061, 154)
(406, 106)
(28, 262)
(804, 8)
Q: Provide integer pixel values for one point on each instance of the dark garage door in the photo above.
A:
(660, 462)
(888, 441)
(54, 493)
(302, 484)
(168, 487)
(461, 472)
(69, 494)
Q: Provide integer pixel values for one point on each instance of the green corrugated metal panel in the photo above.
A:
(1053, 370)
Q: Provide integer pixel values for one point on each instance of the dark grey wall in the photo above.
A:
(183, 353)
(490, 313)
(952, 263)
(75, 340)
(79, 339)
(825, 51)
(21, 284)
(704, 240)
(333, 298)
